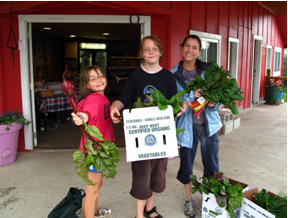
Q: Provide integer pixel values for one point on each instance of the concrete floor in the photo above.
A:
(255, 153)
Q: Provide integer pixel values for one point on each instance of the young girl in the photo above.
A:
(148, 175)
(94, 110)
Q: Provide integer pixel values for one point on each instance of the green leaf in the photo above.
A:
(93, 131)
(179, 130)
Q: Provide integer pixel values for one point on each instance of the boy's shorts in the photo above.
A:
(92, 169)
(148, 176)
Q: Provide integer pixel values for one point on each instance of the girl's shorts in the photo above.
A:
(92, 169)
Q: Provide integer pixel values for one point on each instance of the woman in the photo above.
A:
(204, 128)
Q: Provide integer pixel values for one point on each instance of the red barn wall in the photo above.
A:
(170, 21)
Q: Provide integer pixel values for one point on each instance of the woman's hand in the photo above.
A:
(211, 104)
(79, 118)
(183, 108)
(197, 93)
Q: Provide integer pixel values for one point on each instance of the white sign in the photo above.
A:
(150, 133)
(21, 43)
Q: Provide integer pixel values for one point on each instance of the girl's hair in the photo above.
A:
(156, 41)
(84, 80)
(199, 65)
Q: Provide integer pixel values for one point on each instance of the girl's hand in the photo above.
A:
(79, 118)
(183, 108)
(211, 104)
(115, 114)
(197, 93)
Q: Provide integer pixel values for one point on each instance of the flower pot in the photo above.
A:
(9, 143)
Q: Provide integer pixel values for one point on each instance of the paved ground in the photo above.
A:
(255, 153)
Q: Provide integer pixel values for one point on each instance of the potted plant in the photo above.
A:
(10, 124)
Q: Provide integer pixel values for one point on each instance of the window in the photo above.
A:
(268, 59)
(232, 63)
(211, 46)
(277, 61)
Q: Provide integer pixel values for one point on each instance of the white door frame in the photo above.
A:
(24, 21)
(234, 57)
(257, 55)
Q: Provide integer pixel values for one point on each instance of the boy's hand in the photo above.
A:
(183, 108)
(115, 114)
(79, 118)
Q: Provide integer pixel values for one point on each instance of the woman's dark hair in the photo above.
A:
(199, 64)
(84, 79)
(156, 41)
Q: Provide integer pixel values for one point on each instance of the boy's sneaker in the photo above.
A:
(102, 212)
(190, 208)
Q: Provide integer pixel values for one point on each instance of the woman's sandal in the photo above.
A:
(148, 213)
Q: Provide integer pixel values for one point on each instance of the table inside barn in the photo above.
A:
(58, 105)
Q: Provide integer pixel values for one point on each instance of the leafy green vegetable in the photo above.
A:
(218, 87)
(103, 155)
(158, 99)
(226, 194)
(273, 204)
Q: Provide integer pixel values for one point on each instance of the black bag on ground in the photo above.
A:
(70, 206)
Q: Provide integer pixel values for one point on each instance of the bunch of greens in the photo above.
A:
(226, 194)
(218, 87)
(273, 204)
(10, 117)
(103, 155)
(158, 99)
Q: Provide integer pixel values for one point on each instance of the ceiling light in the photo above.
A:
(72, 35)
(47, 28)
(106, 34)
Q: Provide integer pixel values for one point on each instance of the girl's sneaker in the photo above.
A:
(102, 212)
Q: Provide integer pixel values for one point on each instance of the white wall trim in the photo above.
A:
(23, 20)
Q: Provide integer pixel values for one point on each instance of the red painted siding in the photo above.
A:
(233, 19)
(180, 26)
(159, 28)
(224, 31)
(212, 17)
(198, 15)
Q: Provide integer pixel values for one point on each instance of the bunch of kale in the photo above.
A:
(218, 87)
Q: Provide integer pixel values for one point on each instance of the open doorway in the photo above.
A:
(51, 55)
(256, 70)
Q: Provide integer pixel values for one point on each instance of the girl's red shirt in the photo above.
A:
(97, 106)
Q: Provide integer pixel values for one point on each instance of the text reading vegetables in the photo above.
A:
(102, 154)
(226, 194)
(217, 87)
